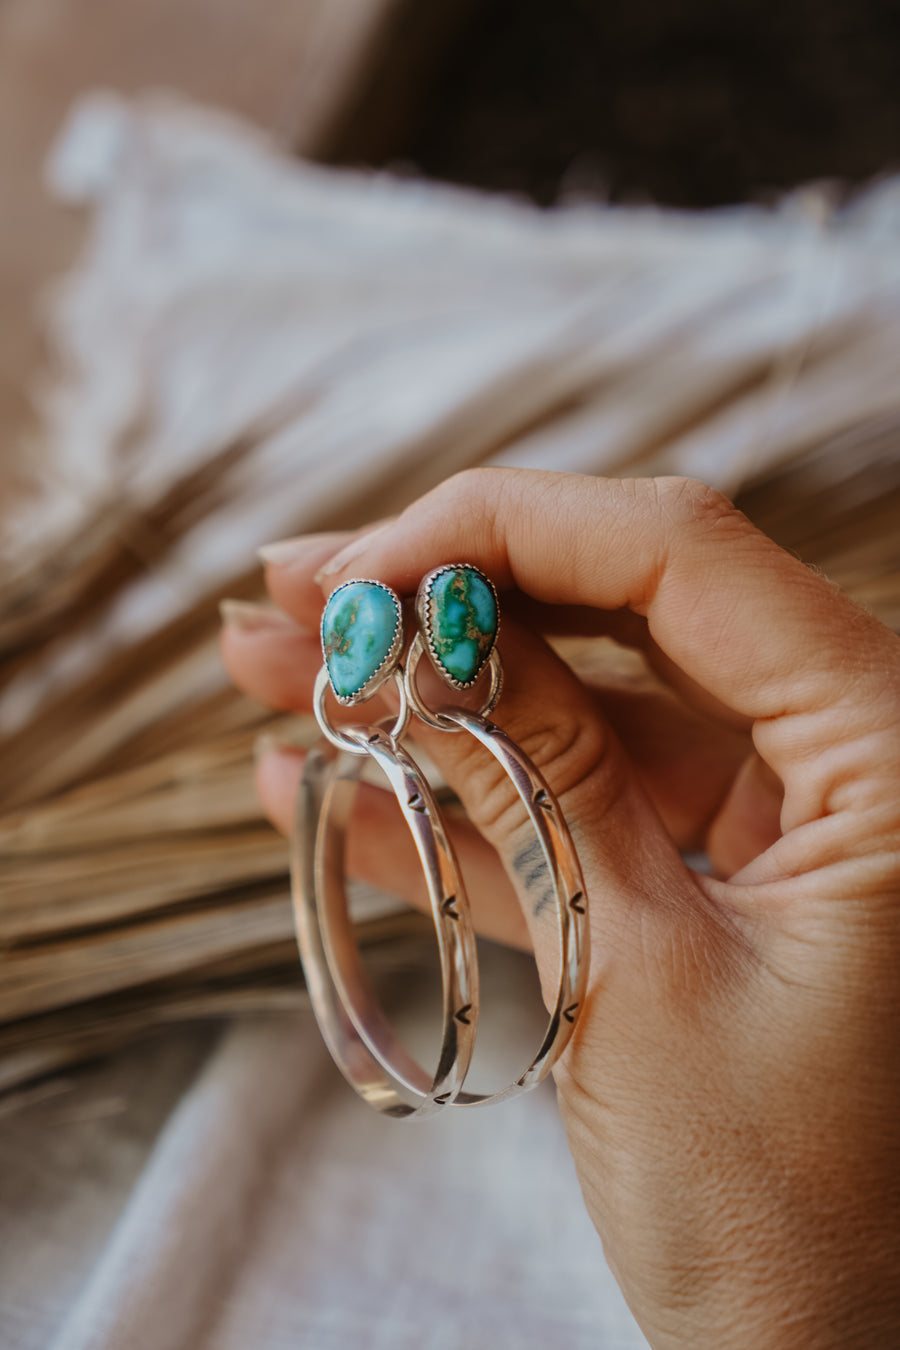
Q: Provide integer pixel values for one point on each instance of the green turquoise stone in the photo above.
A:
(462, 619)
(358, 629)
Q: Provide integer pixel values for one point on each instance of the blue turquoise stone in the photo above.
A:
(358, 628)
(462, 618)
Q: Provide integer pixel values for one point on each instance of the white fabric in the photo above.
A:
(325, 346)
(276, 1212)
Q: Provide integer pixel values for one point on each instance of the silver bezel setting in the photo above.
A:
(379, 676)
(423, 616)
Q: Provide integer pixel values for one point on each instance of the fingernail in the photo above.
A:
(346, 555)
(284, 551)
(247, 617)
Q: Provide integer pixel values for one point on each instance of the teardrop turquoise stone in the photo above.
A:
(462, 615)
(358, 628)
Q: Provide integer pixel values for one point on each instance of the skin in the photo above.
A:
(732, 1093)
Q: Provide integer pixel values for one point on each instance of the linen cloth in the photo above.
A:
(275, 1211)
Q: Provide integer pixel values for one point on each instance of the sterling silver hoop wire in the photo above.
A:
(544, 815)
(346, 1008)
(571, 920)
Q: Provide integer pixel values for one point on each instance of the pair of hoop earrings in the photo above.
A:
(362, 640)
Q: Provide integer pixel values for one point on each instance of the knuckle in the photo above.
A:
(473, 496)
(473, 486)
(688, 502)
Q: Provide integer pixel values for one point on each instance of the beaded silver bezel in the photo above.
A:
(423, 616)
(379, 676)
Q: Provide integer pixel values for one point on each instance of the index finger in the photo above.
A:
(749, 622)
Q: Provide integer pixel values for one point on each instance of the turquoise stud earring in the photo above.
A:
(362, 633)
(458, 617)
(362, 637)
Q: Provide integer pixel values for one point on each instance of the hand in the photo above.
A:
(732, 1092)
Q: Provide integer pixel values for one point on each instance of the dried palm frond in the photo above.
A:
(252, 347)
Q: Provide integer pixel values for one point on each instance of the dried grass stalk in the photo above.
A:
(309, 363)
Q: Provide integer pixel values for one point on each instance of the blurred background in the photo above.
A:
(681, 104)
(266, 269)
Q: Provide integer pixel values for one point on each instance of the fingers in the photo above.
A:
(745, 620)
(269, 656)
(556, 721)
(299, 570)
(294, 570)
(382, 853)
(686, 763)
(275, 662)
(748, 821)
(297, 561)
(550, 714)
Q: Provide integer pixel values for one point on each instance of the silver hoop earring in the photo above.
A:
(362, 637)
(458, 615)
